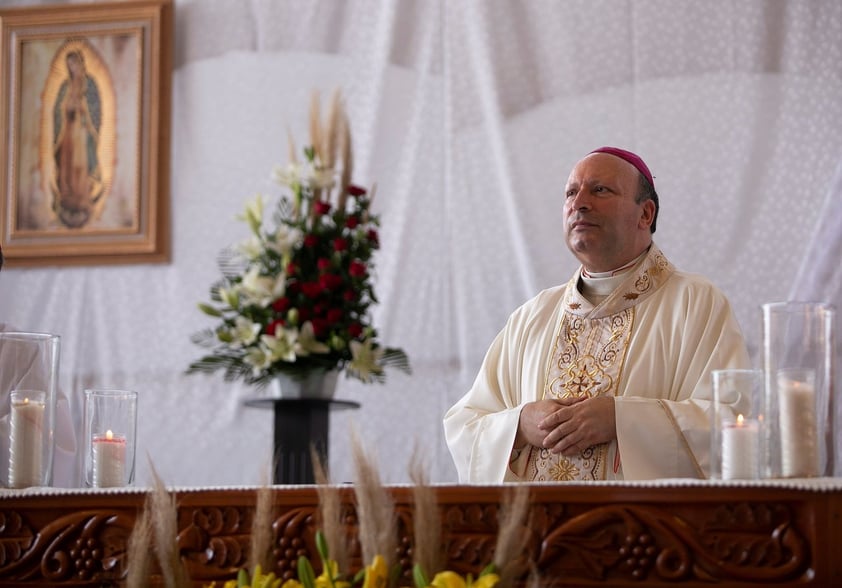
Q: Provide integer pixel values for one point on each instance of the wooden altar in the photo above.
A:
(613, 534)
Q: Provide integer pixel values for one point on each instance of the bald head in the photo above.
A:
(605, 224)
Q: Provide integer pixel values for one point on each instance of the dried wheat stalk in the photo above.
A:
(165, 524)
(427, 538)
(375, 509)
(330, 514)
(137, 550)
(261, 530)
(510, 552)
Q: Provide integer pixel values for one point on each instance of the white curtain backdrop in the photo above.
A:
(469, 116)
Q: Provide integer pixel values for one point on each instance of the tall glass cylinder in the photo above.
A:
(738, 439)
(109, 437)
(797, 355)
(28, 385)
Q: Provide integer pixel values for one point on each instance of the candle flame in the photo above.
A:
(109, 435)
(740, 420)
(26, 400)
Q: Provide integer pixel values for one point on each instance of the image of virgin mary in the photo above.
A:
(77, 119)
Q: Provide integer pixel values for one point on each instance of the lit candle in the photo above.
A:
(26, 430)
(740, 449)
(109, 460)
(799, 438)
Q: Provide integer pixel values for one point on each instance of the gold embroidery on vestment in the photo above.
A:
(586, 361)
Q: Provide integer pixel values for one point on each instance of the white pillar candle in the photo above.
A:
(26, 430)
(799, 437)
(109, 460)
(741, 449)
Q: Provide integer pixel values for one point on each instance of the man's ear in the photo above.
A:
(647, 214)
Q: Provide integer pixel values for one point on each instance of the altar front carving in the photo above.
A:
(615, 534)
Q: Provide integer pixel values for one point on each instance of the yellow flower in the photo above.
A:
(448, 579)
(377, 574)
(292, 583)
(331, 570)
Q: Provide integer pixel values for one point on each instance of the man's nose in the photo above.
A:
(580, 201)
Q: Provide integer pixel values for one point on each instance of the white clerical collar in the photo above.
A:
(597, 286)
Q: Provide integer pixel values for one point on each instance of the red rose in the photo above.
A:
(340, 244)
(291, 269)
(349, 295)
(322, 207)
(330, 281)
(311, 289)
(318, 309)
(334, 315)
(282, 304)
(357, 269)
(273, 326)
(304, 315)
(319, 327)
(323, 263)
(374, 238)
(356, 190)
(355, 330)
(311, 241)
(351, 222)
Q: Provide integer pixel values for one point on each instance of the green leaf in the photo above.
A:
(209, 310)
(243, 578)
(489, 569)
(321, 545)
(419, 577)
(306, 575)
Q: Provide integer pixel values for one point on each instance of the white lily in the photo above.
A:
(251, 248)
(365, 362)
(253, 214)
(284, 240)
(307, 343)
(287, 176)
(231, 296)
(259, 358)
(261, 290)
(244, 332)
(281, 345)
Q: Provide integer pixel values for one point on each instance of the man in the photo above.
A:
(608, 376)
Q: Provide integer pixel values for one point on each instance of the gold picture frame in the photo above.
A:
(85, 127)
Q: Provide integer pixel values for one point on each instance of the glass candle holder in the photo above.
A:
(28, 384)
(797, 357)
(109, 436)
(738, 440)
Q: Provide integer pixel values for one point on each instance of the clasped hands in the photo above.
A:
(567, 425)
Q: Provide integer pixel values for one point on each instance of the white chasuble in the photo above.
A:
(651, 344)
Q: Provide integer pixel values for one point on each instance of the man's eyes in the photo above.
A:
(596, 190)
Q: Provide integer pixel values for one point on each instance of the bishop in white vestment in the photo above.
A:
(646, 335)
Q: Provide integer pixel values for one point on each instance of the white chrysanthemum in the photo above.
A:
(307, 343)
(365, 362)
(261, 290)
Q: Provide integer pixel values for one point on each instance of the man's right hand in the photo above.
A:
(531, 416)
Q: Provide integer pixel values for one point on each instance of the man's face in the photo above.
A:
(603, 225)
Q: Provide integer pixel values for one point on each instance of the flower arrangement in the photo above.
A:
(295, 297)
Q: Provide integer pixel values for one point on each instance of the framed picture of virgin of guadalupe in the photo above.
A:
(84, 123)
